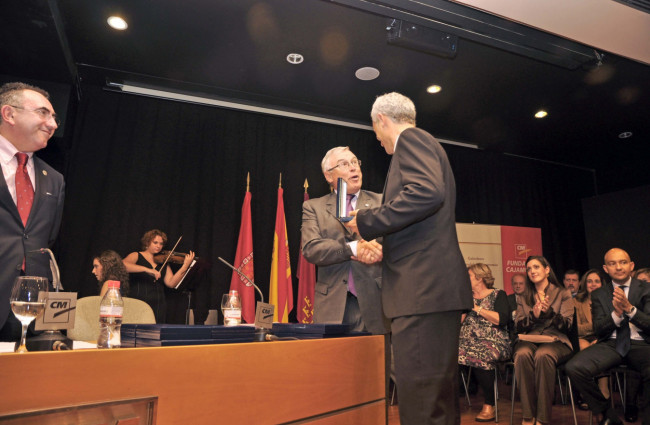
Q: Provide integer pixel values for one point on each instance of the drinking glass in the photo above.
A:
(28, 297)
(231, 309)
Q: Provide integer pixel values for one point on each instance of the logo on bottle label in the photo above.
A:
(111, 311)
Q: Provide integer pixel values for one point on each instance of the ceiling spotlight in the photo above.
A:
(295, 58)
(434, 89)
(367, 73)
(625, 135)
(541, 113)
(117, 23)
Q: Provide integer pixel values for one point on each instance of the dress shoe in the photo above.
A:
(631, 413)
(610, 418)
(608, 421)
(486, 415)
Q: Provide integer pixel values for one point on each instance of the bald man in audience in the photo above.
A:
(621, 318)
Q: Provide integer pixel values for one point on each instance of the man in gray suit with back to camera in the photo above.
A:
(349, 275)
(425, 286)
(31, 192)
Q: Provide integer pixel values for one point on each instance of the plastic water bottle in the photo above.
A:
(111, 309)
(231, 308)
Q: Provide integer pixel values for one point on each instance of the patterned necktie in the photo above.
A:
(623, 334)
(351, 288)
(24, 188)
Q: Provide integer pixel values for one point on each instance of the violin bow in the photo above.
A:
(170, 254)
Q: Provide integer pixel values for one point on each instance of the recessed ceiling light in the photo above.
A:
(295, 58)
(367, 73)
(117, 23)
(434, 89)
(541, 113)
(625, 135)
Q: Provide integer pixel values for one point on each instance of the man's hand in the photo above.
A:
(369, 252)
(352, 224)
(620, 302)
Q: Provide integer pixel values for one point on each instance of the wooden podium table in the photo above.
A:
(325, 381)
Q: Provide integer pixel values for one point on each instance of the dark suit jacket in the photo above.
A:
(324, 243)
(602, 308)
(424, 270)
(42, 227)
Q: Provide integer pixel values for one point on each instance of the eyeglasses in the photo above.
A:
(346, 164)
(42, 112)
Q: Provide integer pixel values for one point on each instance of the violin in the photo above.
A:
(175, 257)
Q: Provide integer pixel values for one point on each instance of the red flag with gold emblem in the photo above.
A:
(306, 284)
(244, 262)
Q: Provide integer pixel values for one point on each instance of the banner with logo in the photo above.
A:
(503, 248)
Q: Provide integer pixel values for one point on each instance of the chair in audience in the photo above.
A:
(466, 379)
(86, 326)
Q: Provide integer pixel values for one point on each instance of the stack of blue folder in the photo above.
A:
(313, 331)
(135, 335)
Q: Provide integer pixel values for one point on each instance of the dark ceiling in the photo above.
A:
(236, 50)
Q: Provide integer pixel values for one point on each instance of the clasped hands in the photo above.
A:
(368, 252)
(620, 302)
(541, 307)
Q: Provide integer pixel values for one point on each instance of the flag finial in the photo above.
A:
(306, 185)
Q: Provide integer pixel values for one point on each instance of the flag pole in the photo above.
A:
(248, 181)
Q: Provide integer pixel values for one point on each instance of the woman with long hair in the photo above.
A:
(543, 321)
(109, 266)
(591, 280)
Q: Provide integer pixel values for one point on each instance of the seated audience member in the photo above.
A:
(109, 266)
(518, 282)
(483, 335)
(643, 275)
(621, 318)
(591, 280)
(543, 321)
(571, 281)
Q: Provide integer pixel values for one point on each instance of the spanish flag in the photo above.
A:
(281, 291)
(244, 260)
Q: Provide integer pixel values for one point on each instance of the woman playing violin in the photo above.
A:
(146, 278)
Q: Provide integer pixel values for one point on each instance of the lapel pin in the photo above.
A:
(44, 173)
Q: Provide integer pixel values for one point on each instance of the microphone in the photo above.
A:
(56, 275)
(60, 346)
(240, 273)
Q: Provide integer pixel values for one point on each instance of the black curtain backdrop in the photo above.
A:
(136, 163)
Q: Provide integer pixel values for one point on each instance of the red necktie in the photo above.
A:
(24, 188)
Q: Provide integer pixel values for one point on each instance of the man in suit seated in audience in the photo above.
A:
(572, 281)
(621, 317)
(518, 281)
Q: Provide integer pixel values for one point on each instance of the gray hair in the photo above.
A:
(397, 107)
(12, 93)
(324, 164)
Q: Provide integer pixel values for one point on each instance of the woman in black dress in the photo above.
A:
(145, 278)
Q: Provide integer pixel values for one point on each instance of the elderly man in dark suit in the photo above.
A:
(348, 288)
(425, 287)
(31, 192)
(621, 317)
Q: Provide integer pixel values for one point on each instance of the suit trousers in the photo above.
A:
(425, 348)
(535, 368)
(601, 357)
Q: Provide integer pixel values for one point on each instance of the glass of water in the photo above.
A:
(28, 297)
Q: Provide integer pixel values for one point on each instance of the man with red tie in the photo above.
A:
(621, 317)
(31, 192)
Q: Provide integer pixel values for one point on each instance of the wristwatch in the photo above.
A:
(631, 312)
